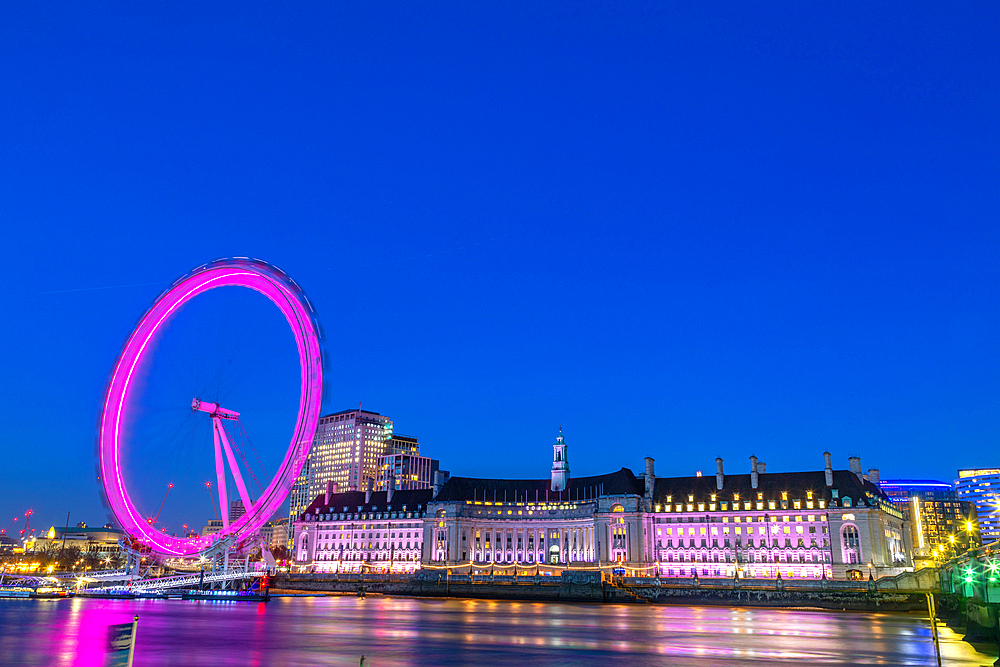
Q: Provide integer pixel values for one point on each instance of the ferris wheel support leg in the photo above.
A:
(220, 472)
(240, 486)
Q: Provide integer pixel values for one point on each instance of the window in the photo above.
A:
(850, 543)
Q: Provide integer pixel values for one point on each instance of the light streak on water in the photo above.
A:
(391, 632)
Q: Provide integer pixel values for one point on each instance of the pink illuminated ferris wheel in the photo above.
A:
(283, 293)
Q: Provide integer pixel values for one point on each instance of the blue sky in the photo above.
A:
(684, 232)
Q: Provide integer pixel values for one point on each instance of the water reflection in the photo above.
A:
(396, 632)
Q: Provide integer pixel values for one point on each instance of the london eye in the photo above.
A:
(238, 472)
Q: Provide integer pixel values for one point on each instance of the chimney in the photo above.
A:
(761, 467)
(438, 482)
(650, 477)
(753, 472)
(390, 487)
(368, 491)
(718, 473)
(873, 476)
(854, 463)
(329, 492)
(828, 468)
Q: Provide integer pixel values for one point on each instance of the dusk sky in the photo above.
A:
(677, 231)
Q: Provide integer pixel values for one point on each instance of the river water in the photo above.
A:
(406, 631)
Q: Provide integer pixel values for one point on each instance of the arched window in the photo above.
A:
(850, 543)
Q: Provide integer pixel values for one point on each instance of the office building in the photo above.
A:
(345, 451)
(236, 510)
(941, 524)
(213, 527)
(274, 533)
(981, 486)
(401, 444)
(406, 471)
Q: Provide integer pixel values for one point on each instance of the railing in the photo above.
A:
(99, 575)
(181, 581)
(973, 574)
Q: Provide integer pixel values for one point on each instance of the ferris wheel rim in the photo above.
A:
(289, 298)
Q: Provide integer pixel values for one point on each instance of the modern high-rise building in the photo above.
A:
(236, 510)
(409, 472)
(940, 523)
(401, 444)
(345, 451)
(982, 487)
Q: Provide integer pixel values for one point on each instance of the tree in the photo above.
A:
(92, 559)
(68, 558)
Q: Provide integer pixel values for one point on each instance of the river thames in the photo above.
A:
(407, 631)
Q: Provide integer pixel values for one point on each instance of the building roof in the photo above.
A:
(771, 484)
(621, 482)
(354, 501)
(344, 412)
(914, 483)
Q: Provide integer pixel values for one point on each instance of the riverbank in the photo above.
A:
(596, 589)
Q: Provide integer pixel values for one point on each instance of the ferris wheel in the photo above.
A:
(283, 293)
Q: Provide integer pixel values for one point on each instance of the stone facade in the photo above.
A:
(834, 524)
(362, 531)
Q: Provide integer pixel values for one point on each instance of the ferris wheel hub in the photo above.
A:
(213, 409)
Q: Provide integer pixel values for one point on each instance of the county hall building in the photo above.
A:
(833, 523)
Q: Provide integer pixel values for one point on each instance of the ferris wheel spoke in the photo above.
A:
(237, 439)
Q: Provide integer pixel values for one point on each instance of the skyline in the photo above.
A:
(682, 233)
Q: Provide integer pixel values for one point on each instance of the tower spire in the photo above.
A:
(560, 464)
